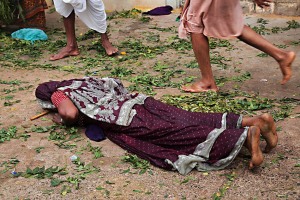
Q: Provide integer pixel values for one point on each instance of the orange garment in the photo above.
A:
(213, 18)
(34, 13)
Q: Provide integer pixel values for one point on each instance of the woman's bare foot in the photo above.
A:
(266, 124)
(199, 86)
(65, 52)
(252, 144)
(267, 127)
(286, 66)
(109, 48)
(268, 130)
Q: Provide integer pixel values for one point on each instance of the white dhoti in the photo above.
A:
(90, 12)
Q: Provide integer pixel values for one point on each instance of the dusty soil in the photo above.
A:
(277, 178)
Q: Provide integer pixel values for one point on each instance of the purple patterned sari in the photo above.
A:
(103, 99)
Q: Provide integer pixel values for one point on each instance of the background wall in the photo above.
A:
(278, 7)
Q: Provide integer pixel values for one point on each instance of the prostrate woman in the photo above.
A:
(168, 137)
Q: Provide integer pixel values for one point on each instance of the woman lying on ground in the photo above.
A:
(168, 137)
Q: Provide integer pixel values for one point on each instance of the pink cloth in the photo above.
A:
(214, 18)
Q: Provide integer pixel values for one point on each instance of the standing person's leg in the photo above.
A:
(201, 50)
(95, 18)
(71, 49)
(284, 58)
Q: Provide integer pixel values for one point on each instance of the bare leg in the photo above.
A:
(284, 58)
(71, 49)
(266, 124)
(252, 144)
(201, 51)
(109, 48)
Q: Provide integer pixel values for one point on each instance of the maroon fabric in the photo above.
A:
(45, 90)
(163, 10)
(160, 131)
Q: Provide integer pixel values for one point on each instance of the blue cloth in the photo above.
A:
(94, 132)
(31, 34)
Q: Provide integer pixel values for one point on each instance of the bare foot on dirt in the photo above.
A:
(286, 66)
(109, 48)
(65, 52)
(267, 127)
(199, 86)
(252, 143)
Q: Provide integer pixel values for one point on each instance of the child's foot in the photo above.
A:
(286, 66)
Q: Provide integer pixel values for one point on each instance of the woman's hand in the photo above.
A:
(57, 119)
(263, 3)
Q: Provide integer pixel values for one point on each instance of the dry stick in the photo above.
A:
(40, 115)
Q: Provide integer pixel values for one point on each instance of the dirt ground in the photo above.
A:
(277, 178)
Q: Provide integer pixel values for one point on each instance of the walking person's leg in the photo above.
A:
(284, 58)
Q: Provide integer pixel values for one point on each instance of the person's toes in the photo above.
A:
(251, 166)
(112, 52)
(63, 55)
(193, 88)
(55, 57)
(197, 89)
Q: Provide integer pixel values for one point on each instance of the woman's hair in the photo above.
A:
(45, 90)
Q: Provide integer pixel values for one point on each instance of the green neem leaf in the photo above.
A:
(8, 134)
(55, 182)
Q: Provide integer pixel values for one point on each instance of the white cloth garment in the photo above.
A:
(90, 12)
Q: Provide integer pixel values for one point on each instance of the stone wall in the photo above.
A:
(278, 7)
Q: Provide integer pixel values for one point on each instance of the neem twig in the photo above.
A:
(40, 115)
